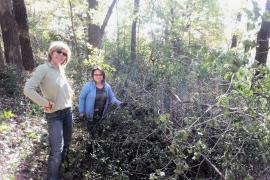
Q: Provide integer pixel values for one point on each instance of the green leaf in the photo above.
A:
(7, 114)
(227, 76)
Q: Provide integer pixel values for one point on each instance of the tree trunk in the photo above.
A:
(10, 34)
(263, 38)
(2, 60)
(167, 96)
(23, 29)
(234, 41)
(95, 32)
(108, 15)
(133, 44)
(234, 37)
(94, 35)
(93, 29)
(73, 29)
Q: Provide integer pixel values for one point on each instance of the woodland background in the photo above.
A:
(194, 74)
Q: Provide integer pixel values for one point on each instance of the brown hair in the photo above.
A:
(100, 69)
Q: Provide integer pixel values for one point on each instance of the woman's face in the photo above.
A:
(98, 76)
(59, 57)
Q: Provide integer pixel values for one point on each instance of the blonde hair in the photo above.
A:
(55, 45)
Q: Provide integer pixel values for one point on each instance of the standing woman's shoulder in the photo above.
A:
(107, 85)
(88, 85)
(41, 67)
(39, 71)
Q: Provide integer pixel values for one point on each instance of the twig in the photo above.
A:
(238, 151)
(215, 168)
(176, 96)
(230, 85)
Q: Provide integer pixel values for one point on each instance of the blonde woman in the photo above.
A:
(56, 99)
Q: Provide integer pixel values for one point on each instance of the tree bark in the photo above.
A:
(234, 41)
(2, 60)
(93, 29)
(73, 28)
(23, 29)
(107, 17)
(234, 37)
(263, 38)
(10, 34)
(95, 32)
(133, 44)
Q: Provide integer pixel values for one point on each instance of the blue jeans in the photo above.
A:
(60, 133)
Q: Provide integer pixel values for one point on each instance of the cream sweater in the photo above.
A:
(53, 85)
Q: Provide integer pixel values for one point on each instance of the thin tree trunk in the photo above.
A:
(23, 29)
(118, 60)
(263, 38)
(2, 60)
(133, 45)
(106, 20)
(234, 41)
(73, 28)
(166, 96)
(10, 34)
(234, 37)
(96, 32)
(132, 69)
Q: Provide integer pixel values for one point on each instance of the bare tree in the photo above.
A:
(107, 17)
(263, 38)
(23, 29)
(10, 34)
(133, 44)
(96, 32)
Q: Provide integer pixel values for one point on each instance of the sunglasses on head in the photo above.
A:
(61, 52)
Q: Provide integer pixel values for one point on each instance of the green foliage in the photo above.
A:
(202, 26)
(6, 114)
(32, 109)
(249, 44)
(254, 13)
(10, 81)
(244, 81)
(4, 128)
(193, 106)
(163, 121)
(97, 58)
(122, 148)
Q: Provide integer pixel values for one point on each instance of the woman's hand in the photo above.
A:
(48, 106)
(123, 104)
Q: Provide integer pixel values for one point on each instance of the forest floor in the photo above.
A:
(125, 143)
(23, 146)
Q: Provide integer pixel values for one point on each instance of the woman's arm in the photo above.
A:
(113, 99)
(31, 85)
(83, 94)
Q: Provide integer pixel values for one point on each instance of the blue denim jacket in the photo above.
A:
(88, 96)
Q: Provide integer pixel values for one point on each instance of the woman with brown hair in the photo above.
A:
(95, 98)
